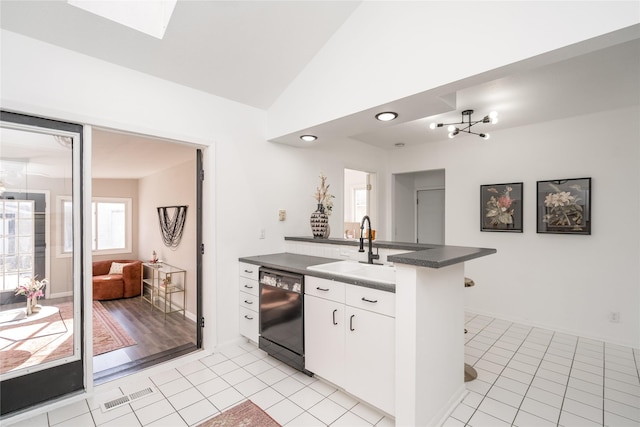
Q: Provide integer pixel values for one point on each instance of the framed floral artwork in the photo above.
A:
(564, 206)
(501, 207)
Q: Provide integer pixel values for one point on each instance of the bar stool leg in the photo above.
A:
(470, 373)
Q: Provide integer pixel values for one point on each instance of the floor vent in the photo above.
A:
(123, 400)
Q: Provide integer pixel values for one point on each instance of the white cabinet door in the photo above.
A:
(370, 357)
(249, 324)
(324, 331)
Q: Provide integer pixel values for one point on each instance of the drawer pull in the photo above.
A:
(248, 287)
(368, 300)
(246, 316)
(248, 302)
(322, 289)
(334, 316)
(351, 323)
(249, 271)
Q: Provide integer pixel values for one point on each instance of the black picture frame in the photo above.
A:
(564, 206)
(501, 207)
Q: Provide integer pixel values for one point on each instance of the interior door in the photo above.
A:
(430, 216)
(41, 351)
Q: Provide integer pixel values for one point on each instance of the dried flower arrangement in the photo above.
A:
(323, 196)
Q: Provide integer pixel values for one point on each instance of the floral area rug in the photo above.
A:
(29, 343)
(246, 414)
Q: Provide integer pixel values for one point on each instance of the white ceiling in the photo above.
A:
(245, 51)
(249, 51)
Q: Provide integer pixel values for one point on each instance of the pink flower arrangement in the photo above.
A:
(30, 287)
(498, 210)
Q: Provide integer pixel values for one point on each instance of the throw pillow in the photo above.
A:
(116, 267)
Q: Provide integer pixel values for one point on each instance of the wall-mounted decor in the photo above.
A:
(564, 206)
(172, 220)
(501, 207)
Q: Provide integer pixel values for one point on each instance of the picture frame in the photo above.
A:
(501, 207)
(564, 206)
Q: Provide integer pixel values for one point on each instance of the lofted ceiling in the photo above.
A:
(245, 51)
(250, 51)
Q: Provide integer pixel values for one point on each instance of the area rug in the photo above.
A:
(51, 338)
(246, 414)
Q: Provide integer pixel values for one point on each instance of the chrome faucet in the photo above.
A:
(370, 256)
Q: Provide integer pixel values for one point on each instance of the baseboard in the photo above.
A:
(549, 327)
(447, 409)
(61, 294)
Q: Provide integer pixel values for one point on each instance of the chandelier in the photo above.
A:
(465, 125)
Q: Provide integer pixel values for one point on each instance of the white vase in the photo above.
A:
(29, 307)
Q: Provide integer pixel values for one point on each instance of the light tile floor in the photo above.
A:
(526, 377)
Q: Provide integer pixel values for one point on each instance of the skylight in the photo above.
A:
(147, 16)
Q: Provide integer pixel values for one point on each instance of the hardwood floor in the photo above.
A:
(155, 337)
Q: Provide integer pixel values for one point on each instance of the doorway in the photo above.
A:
(418, 214)
(359, 199)
(151, 173)
(430, 216)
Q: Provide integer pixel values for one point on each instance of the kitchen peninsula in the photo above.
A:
(429, 316)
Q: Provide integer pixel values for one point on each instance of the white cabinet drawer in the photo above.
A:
(373, 300)
(249, 286)
(323, 288)
(249, 324)
(249, 301)
(250, 271)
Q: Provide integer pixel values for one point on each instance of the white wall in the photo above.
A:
(388, 50)
(175, 186)
(247, 178)
(563, 282)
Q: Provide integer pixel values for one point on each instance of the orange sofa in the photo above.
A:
(113, 286)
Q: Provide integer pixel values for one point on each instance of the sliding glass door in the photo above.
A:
(41, 354)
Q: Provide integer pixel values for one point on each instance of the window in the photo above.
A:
(359, 203)
(16, 242)
(111, 225)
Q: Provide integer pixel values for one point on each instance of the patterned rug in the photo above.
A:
(246, 414)
(51, 338)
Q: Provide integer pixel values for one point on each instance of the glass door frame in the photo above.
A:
(69, 375)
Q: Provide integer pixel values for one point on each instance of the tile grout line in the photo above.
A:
(534, 374)
(505, 366)
(564, 396)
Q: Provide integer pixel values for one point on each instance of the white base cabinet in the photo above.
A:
(248, 300)
(350, 339)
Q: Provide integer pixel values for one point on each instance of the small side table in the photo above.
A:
(162, 284)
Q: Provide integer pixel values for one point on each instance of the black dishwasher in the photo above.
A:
(282, 316)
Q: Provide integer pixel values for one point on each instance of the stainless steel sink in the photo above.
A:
(355, 270)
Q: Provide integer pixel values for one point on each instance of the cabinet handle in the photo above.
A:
(248, 302)
(334, 316)
(368, 300)
(248, 287)
(322, 289)
(246, 316)
(249, 271)
(351, 322)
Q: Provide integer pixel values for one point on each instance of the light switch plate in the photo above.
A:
(282, 215)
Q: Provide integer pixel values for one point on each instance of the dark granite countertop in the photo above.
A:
(432, 256)
(296, 263)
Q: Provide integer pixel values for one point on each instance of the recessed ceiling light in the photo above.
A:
(387, 116)
(308, 138)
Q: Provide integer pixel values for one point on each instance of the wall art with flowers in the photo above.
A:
(501, 207)
(564, 206)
